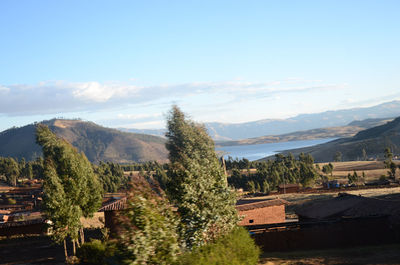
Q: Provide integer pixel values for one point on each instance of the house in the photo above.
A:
(110, 207)
(337, 183)
(288, 188)
(346, 206)
(262, 212)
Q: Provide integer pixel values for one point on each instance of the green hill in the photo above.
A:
(373, 141)
(97, 142)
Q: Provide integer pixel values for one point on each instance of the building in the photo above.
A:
(346, 206)
(340, 222)
(110, 207)
(262, 212)
(288, 188)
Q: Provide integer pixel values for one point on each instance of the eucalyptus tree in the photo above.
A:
(71, 189)
(197, 182)
(389, 163)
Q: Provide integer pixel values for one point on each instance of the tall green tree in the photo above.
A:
(10, 169)
(198, 185)
(389, 163)
(111, 176)
(328, 169)
(337, 157)
(71, 189)
(364, 154)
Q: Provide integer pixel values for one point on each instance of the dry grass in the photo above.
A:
(373, 170)
(96, 222)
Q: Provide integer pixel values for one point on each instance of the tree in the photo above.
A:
(389, 163)
(337, 157)
(148, 228)
(265, 187)
(364, 155)
(71, 190)
(10, 168)
(111, 176)
(197, 185)
(328, 169)
(353, 179)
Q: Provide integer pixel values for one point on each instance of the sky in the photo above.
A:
(124, 63)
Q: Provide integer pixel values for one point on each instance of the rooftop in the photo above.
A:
(260, 204)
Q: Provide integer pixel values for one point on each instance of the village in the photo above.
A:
(289, 218)
(199, 132)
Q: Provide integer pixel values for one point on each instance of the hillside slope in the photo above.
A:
(97, 142)
(373, 141)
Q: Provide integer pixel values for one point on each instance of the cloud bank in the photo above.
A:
(67, 97)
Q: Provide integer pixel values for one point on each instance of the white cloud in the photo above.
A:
(145, 125)
(66, 97)
(4, 89)
(137, 116)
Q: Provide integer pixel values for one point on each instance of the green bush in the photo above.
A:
(93, 252)
(236, 248)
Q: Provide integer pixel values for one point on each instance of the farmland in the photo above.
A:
(373, 169)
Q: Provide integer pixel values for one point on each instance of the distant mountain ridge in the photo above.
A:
(97, 142)
(373, 141)
(321, 133)
(155, 132)
(222, 131)
(238, 131)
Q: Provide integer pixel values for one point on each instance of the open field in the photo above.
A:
(373, 169)
(97, 221)
(385, 254)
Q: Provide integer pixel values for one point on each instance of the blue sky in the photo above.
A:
(123, 63)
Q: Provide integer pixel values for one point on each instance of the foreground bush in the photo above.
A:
(93, 252)
(236, 248)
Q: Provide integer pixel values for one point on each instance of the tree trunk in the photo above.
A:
(82, 236)
(65, 249)
(73, 247)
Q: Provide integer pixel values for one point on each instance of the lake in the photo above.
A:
(257, 151)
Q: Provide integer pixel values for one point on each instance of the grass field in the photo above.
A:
(373, 169)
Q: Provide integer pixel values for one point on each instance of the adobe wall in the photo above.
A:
(31, 229)
(347, 233)
(266, 215)
(111, 222)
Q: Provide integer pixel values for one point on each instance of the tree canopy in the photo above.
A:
(197, 183)
(71, 189)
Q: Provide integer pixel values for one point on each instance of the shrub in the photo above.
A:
(93, 252)
(235, 248)
(147, 229)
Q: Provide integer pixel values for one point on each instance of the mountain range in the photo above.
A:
(106, 144)
(321, 133)
(238, 131)
(97, 142)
